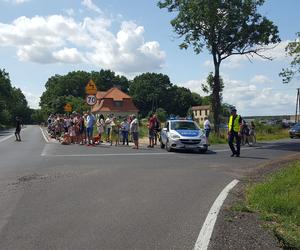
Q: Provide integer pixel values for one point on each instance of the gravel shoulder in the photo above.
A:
(243, 229)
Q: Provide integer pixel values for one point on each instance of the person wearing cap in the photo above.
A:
(234, 132)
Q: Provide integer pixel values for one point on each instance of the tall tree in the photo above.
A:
(293, 49)
(150, 91)
(226, 28)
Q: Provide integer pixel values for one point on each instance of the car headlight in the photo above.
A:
(174, 136)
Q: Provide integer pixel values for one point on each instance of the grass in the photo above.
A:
(278, 201)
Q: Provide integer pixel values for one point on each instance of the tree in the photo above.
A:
(208, 87)
(226, 28)
(12, 102)
(150, 91)
(293, 49)
(60, 88)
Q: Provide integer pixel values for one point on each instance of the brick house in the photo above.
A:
(114, 101)
(200, 112)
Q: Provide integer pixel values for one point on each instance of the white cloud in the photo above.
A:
(250, 98)
(32, 99)
(260, 79)
(16, 1)
(68, 55)
(195, 86)
(61, 39)
(90, 5)
(276, 52)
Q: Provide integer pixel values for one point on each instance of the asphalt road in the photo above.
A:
(77, 197)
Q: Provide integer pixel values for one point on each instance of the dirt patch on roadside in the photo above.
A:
(243, 229)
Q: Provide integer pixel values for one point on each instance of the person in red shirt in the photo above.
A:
(151, 127)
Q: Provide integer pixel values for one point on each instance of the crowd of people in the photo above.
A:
(79, 128)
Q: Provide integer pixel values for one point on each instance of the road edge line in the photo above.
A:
(46, 139)
(5, 138)
(209, 223)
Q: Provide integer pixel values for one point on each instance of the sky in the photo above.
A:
(39, 39)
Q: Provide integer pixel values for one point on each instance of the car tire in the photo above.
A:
(168, 148)
(203, 150)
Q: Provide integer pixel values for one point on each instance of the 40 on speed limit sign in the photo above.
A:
(91, 100)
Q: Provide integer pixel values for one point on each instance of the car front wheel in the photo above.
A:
(168, 147)
(203, 150)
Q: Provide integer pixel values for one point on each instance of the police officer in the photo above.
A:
(234, 132)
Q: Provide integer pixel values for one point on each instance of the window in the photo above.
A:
(118, 103)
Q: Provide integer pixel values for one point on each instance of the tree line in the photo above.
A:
(12, 102)
(150, 91)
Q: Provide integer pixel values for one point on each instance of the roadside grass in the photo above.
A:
(277, 200)
(263, 133)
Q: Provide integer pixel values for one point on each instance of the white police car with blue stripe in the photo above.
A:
(183, 134)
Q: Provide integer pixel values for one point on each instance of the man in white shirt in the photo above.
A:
(207, 128)
(134, 130)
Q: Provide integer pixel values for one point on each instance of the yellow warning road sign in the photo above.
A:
(68, 107)
(91, 88)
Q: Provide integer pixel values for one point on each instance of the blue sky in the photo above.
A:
(41, 38)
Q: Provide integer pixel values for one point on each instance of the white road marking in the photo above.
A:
(45, 137)
(209, 223)
(7, 137)
(97, 155)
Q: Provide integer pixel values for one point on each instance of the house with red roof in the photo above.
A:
(114, 101)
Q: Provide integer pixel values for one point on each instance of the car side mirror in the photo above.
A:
(165, 129)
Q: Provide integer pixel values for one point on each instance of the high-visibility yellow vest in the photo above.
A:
(236, 125)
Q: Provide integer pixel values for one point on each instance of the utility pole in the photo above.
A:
(297, 116)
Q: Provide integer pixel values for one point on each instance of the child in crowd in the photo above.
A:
(66, 139)
(72, 132)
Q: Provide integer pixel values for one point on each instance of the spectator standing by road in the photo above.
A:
(245, 133)
(108, 123)
(90, 121)
(114, 131)
(156, 128)
(151, 125)
(18, 128)
(234, 132)
(207, 128)
(252, 134)
(125, 131)
(134, 130)
(100, 127)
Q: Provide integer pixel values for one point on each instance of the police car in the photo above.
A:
(183, 134)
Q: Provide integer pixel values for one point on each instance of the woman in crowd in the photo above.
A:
(100, 127)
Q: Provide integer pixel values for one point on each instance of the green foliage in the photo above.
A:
(293, 50)
(151, 91)
(278, 201)
(208, 87)
(161, 114)
(12, 102)
(70, 88)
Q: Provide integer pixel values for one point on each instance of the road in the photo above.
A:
(77, 197)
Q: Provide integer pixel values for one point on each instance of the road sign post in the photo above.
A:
(68, 107)
(91, 100)
(91, 91)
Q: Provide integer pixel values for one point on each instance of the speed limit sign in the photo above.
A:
(91, 100)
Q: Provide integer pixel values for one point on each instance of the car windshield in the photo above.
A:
(184, 125)
(296, 126)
